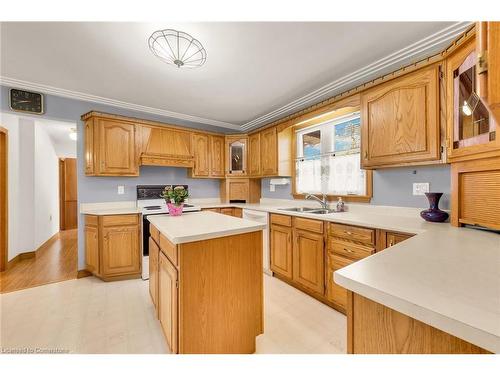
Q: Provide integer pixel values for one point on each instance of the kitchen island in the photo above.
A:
(206, 282)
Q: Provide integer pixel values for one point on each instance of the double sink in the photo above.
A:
(318, 211)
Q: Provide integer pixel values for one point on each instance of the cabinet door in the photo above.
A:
(237, 154)
(281, 250)
(117, 148)
(254, 154)
(201, 155)
(308, 260)
(89, 147)
(154, 254)
(269, 154)
(91, 249)
(334, 292)
(400, 120)
(393, 238)
(168, 301)
(227, 211)
(120, 250)
(217, 156)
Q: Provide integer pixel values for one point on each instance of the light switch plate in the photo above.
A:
(420, 188)
(121, 189)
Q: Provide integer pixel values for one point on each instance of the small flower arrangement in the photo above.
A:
(175, 195)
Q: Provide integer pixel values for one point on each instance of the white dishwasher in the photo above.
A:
(261, 217)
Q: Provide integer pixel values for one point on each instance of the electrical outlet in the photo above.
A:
(420, 188)
(121, 189)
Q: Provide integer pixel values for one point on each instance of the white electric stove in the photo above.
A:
(150, 203)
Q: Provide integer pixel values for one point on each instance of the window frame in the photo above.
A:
(316, 122)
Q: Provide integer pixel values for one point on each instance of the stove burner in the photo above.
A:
(152, 207)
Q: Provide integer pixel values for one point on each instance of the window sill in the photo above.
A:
(345, 198)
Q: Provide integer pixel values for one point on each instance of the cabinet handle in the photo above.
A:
(366, 154)
(348, 250)
(391, 243)
(347, 232)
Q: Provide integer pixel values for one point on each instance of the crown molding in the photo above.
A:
(26, 85)
(418, 49)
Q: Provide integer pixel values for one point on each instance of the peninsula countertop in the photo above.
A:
(198, 226)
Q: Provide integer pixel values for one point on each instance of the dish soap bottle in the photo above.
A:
(340, 205)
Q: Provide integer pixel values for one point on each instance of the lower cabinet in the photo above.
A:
(154, 259)
(308, 260)
(120, 250)
(281, 250)
(168, 301)
(334, 292)
(231, 211)
(112, 246)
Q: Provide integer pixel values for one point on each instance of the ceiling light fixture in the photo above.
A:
(72, 134)
(177, 48)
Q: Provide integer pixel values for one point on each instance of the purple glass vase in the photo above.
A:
(433, 213)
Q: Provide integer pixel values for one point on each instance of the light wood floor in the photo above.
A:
(55, 261)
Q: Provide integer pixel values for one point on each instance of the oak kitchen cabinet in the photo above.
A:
(154, 261)
(112, 246)
(270, 152)
(308, 260)
(190, 277)
(281, 250)
(208, 156)
(240, 190)
(400, 121)
(488, 65)
(110, 148)
(163, 146)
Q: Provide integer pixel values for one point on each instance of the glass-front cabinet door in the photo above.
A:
(471, 132)
(237, 156)
(473, 124)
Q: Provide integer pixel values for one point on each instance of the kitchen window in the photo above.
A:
(328, 159)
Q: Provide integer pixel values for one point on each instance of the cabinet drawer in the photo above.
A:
(363, 235)
(154, 233)
(113, 220)
(349, 249)
(91, 220)
(281, 220)
(168, 248)
(308, 224)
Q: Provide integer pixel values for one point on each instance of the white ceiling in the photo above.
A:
(255, 72)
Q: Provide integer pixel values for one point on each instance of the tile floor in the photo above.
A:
(90, 316)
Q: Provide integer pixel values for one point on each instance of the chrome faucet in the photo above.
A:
(323, 201)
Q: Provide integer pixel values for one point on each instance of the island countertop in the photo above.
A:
(198, 226)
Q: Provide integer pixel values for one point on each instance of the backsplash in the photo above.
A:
(392, 186)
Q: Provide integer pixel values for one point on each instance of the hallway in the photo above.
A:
(54, 261)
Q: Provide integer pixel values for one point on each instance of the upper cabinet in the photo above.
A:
(255, 154)
(166, 146)
(471, 125)
(237, 153)
(208, 156)
(488, 65)
(201, 144)
(400, 121)
(270, 152)
(103, 137)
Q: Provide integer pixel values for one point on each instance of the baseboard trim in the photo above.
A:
(30, 254)
(83, 273)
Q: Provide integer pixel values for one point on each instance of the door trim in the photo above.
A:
(4, 198)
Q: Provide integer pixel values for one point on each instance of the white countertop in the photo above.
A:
(444, 276)
(198, 226)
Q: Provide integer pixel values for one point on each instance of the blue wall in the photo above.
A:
(392, 186)
(104, 189)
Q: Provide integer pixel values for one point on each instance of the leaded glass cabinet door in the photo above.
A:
(237, 156)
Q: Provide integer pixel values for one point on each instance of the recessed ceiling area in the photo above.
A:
(254, 73)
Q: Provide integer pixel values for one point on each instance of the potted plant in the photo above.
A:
(175, 197)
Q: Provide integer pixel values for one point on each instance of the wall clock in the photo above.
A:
(25, 101)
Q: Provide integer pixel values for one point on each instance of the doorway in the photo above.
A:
(4, 211)
(68, 206)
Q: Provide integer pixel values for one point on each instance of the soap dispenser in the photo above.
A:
(340, 205)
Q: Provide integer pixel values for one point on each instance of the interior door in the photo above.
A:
(68, 194)
(168, 301)
(3, 198)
